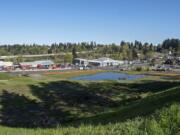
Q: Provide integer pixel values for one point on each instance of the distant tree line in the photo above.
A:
(124, 50)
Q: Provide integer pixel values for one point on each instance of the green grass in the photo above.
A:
(138, 108)
(4, 76)
(54, 106)
(163, 122)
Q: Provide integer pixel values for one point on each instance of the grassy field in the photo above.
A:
(50, 104)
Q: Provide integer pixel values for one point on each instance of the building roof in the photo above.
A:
(39, 62)
(105, 59)
(100, 60)
(6, 63)
(26, 63)
(81, 59)
(44, 62)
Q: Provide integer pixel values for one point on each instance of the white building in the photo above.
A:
(6, 64)
(178, 58)
(36, 64)
(81, 62)
(101, 62)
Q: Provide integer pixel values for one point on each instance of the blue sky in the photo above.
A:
(103, 21)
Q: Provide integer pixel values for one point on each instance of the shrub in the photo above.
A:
(139, 69)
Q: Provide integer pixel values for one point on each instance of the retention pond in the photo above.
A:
(108, 76)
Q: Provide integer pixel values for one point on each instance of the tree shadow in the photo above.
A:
(18, 110)
(150, 86)
(62, 102)
(139, 108)
(59, 103)
(70, 94)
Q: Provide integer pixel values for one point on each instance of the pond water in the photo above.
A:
(108, 76)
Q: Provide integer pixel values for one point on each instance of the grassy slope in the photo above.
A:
(129, 118)
(162, 122)
(139, 108)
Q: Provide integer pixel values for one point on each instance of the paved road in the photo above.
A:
(38, 55)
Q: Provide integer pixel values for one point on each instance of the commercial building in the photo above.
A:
(5, 65)
(36, 64)
(101, 62)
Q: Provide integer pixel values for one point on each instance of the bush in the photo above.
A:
(139, 69)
